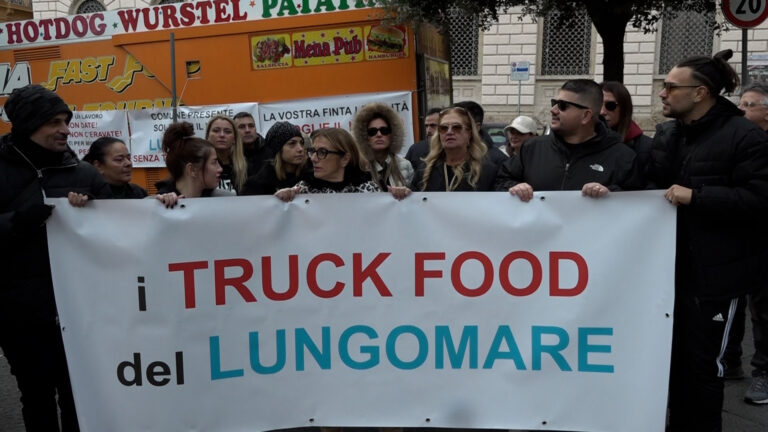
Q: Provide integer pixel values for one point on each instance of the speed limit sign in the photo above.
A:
(745, 13)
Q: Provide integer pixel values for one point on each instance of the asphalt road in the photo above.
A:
(737, 415)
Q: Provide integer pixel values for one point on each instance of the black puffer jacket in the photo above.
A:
(721, 235)
(26, 290)
(549, 164)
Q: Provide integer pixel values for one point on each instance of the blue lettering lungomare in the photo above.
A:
(548, 349)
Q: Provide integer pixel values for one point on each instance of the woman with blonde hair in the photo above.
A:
(223, 134)
(379, 133)
(336, 167)
(457, 157)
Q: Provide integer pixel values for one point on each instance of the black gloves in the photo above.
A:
(30, 218)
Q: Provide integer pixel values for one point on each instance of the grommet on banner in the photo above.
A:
(544, 422)
(428, 419)
(306, 201)
(424, 199)
(666, 314)
(182, 206)
(543, 198)
(312, 420)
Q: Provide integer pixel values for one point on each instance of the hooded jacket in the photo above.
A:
(721, 239)
(27, 174)
(397, 137)
(547, 163)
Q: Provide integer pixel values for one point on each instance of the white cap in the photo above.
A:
(522, 124)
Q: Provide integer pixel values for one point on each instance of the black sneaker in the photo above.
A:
(758, 390)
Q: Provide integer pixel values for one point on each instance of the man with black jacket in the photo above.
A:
(713, 164)
(579, 154)
(35, 162)
(254, 148)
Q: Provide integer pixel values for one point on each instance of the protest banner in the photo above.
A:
(148, 126)
(470, 310)
(88, 126)
(335, 111)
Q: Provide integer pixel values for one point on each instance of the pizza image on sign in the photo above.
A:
(386, 39)
(271, 51)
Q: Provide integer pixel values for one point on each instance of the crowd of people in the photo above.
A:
(711, 160)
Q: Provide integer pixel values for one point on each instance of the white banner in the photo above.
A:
(470, 310)
(335, 111)
(148, 126)
(88, 126)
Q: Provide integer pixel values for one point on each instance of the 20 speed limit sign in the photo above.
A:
(745, 13)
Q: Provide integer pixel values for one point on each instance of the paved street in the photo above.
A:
(737, 415)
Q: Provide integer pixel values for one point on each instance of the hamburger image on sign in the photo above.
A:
(386, 39)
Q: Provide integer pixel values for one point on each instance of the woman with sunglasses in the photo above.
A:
(379, 133)
(617, 112)
(287, 168)
(457, 157)
(336, 164)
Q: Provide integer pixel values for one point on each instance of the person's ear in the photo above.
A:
(345, 159)
(191, 170)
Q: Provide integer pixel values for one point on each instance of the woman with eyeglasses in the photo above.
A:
(223, 134)
(113, 160)
(336, 167)
(617, 112)
(287, 168)
(193, 165)
(380, 134)
(457, 157)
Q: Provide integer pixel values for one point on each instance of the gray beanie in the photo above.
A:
(279, 134)
(31, 106)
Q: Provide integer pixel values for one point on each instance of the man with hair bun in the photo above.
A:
(713, 164)
(36, 162)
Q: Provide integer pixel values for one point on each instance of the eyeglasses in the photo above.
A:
(611, 105)
(453, 127)
(385, 130)
(322, 153)
(562, 105)
(668, 86)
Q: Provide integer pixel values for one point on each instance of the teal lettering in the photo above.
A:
(371, 350)
(268, 5)
(444, 342)
(585, 348)
(343, 5)
(287, 5)
(303, 340)
(328, 4)
(216, 372)
(538, 348)
(504, 334)
(253, 344)
(421, 338)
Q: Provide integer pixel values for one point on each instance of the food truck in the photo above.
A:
(310, 62)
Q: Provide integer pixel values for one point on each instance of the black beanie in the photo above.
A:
(31, 106)
(279, 134)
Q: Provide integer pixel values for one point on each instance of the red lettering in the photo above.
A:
(535, 278)
(97, 29)
(293, 278)
(79, 25)
(238, 282)
(30, 31)
(169, 17)
(130, 19)
(14, 32)
(187, 12)
(459, 286)
(555, 289)
(203, 7)
(188, 269)
(147, 17)
(236, 14)
(312, 275)
(62, 28)
(221, 14)
(360, 274)
(45, 26)
(422, 274)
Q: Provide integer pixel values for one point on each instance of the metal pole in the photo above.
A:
(519, 89)
(744, 69)
(173, 75)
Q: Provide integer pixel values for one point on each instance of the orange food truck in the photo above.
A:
(221, 53)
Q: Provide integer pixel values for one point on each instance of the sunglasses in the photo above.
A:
(668, 86)
(611, 106)
(385, 130)
(454, 127)
(322, 153)
(562, 105)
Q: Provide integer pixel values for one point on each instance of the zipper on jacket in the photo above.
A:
(565, 174)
